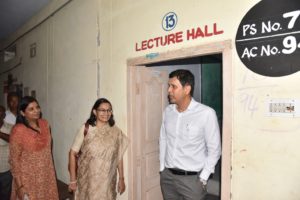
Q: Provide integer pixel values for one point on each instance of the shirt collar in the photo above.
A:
(192, 104)
(190, 107)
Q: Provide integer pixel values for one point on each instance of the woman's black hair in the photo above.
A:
(92, 120)
(25, 101)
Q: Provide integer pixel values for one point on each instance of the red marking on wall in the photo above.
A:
(178, 37)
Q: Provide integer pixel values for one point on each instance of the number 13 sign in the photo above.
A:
(169, 21)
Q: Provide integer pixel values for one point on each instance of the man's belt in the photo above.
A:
(182, 172)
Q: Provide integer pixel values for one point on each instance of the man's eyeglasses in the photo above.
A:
(103, 111)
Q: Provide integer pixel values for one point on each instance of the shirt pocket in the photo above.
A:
(170, 128)
(195, 130)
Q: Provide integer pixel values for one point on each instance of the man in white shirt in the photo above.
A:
(12, 104)
(5, 175)
(189, 141)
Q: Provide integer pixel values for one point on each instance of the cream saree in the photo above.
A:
(102, 149)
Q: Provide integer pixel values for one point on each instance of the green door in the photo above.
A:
(211, 85)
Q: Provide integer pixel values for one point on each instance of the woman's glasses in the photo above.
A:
(103, 111)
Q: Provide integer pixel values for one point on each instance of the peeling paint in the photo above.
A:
(243, 150)
(152, 55)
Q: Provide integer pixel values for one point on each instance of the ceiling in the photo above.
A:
(14, 13)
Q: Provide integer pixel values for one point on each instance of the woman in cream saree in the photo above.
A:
(101, 158)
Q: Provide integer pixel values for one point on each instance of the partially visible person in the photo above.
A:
(8, 119)
(5, 174)
(6, 124)
(12, 104)
(101, 156)
(30, 154)
(189, 141)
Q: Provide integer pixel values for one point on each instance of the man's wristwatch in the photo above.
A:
(204, 182)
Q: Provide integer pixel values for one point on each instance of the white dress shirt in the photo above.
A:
(190, 140)
(4, 148)
(10, 118)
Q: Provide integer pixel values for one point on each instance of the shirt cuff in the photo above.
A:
(75, 149)
(204, 174)
(162, 167)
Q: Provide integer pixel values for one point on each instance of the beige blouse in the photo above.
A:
(78, 140)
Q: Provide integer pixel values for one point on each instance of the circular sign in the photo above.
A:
(169, 21)
(268, 38)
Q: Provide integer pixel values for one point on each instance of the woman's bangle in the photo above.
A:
(71, 182)
(122, 178)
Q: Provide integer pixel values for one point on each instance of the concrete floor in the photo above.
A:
(65, 195)
(212, 197)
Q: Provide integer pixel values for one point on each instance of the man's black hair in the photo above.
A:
(185, 77)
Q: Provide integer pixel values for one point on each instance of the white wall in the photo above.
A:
(264, 149)
(72, 75)
(64, 72)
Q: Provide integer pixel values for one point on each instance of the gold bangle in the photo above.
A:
(71, 182)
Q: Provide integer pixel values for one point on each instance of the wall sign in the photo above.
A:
(169, 22)
(268, 38)
(32, 50)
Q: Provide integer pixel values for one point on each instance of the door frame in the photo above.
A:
(224, 47)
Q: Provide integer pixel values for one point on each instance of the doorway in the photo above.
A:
(147, 98)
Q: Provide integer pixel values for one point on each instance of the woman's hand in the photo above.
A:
(72, 186)
(21, 192)
(72, 170)
(26, 197)
(121, 185)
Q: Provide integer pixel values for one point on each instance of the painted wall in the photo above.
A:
(64, 73)
(264, 149)
(73, 60)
